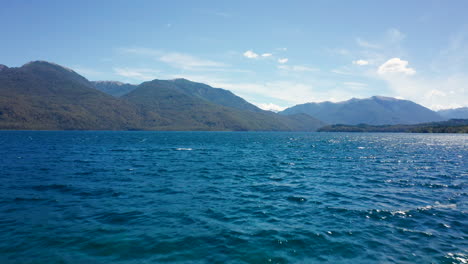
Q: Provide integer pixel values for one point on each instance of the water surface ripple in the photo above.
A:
(222, 197)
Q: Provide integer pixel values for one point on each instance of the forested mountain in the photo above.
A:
(113, 88)
(377, 110)
(44, 95)
(168, 105)
(450, 126)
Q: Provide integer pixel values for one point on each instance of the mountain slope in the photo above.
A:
(450, 126)
(170, 105)
(461, 112)
(377, 110)
(113, 88)
(215, 95)
(43, 95)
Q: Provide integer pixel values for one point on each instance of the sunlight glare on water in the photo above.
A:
(222, 197)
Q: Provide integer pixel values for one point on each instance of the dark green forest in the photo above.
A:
(450, 126)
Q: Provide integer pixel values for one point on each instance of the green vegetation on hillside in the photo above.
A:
(42, 95)
(451, 126)
(45, 96)
(166, 105)
(116, 89)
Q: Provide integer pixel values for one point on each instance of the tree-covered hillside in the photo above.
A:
(43, 95)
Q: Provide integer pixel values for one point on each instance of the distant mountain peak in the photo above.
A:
(187, 81)
(3, 67)
(181, 79)
(375, 97)
(42, 62)
(44, 95)
(376, 110)
(384, 98)
(110, 82)
(461, 112)
(354, 99)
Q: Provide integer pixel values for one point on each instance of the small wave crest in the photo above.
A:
(458, 257)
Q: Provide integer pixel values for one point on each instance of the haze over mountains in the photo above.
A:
(461, 112)
(398, 115)
(44, 95)
(377, 110)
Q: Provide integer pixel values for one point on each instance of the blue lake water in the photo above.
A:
(227, 197)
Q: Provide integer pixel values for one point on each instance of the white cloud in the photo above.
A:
(87, 72)
(394, 35)
(270, 107)
(141, 51)
(141, 74)
(285, 92)
(390, 41)
(343, 71)
(395, 65)
(443, 85)
(221, 14)
(454, 57)
(433, 92)
(339, 51)
(250, 54)
(437, 107)
(291, 92)
(283, 60)
(213, 12)
(297, 68)
(279, 92)
(176, 59)
(361, 62)
(365, 44)
(282, 49)
(355, 84)
(188, 62)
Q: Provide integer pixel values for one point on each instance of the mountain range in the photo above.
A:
(377, 110)
(461, 112)
(114, 88)
(43, 95)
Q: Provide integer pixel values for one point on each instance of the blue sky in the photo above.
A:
(273, 53)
